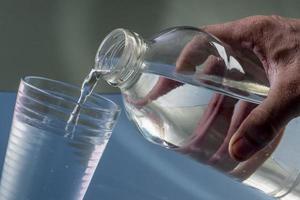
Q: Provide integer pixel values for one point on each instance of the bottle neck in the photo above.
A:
(119, 58)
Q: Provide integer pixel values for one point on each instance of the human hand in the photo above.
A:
(275, 41)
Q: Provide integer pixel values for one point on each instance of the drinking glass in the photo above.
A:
(42, 162)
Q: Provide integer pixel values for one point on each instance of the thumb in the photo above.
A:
(261, 126)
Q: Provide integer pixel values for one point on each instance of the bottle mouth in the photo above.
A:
(118, 56)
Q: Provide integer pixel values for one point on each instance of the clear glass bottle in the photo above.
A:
(182, 89)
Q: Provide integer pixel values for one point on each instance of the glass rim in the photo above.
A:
(115, 108)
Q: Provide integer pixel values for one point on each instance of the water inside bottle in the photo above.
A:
(240, 89)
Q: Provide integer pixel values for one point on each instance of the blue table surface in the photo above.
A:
(132, 168)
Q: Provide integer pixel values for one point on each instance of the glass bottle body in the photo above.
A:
(188, 91)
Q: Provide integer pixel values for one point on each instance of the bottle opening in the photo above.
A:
(118, 56)
(110, 52)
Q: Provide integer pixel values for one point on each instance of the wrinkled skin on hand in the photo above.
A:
(248, 132)
(275, 41)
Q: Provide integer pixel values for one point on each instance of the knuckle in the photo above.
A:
(258, 28)
(276, 17)
(260, 20)
(285, 54)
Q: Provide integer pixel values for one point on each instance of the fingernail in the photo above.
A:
(242, 149)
